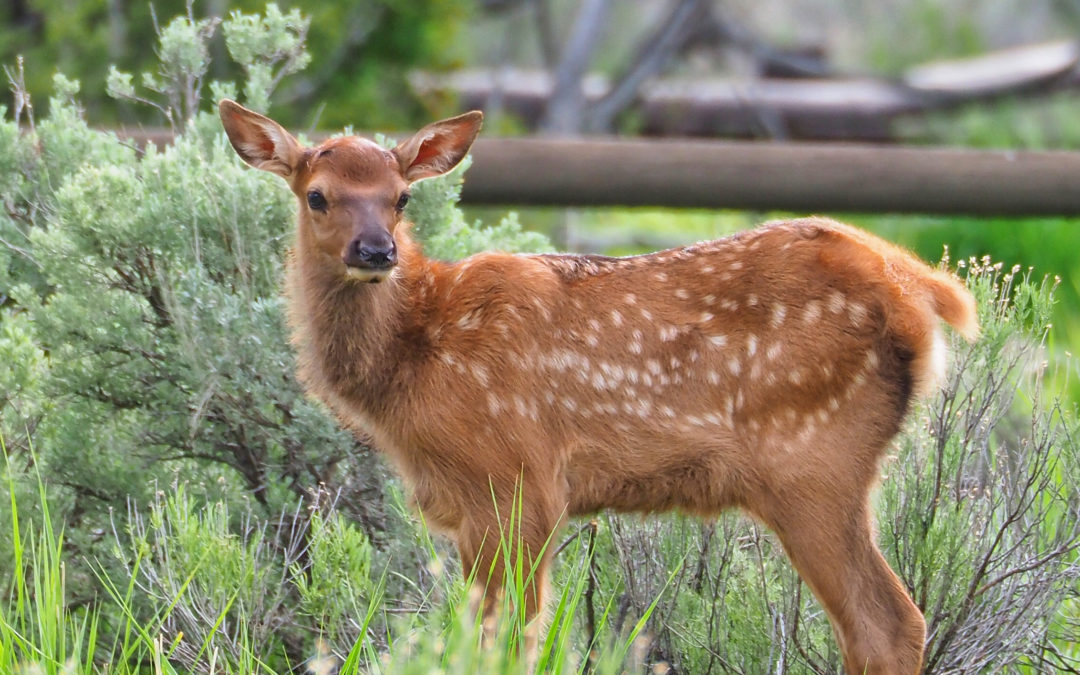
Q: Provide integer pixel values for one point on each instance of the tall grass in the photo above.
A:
(39, 632)
(43, 632)
(132, 626)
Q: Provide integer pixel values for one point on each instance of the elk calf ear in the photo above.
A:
(438, 147)
(260, 141)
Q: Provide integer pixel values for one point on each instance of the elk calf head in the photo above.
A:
(352, 192)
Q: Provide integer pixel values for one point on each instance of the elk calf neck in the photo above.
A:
(767, 371)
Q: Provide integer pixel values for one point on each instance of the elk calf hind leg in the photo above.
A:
(878, 627)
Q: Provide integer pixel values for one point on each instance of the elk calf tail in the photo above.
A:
(947, 299)
(953, 303)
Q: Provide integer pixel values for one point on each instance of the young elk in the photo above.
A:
(766, 371)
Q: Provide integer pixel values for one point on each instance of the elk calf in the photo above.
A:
(766, 371)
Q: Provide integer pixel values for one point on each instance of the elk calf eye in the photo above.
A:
(402, 201)
(316, 201)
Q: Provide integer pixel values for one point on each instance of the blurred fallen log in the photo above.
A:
(822, 109)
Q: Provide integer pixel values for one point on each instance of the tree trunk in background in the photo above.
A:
(565, 110)
(652, 57)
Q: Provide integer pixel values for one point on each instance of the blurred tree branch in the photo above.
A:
(565, 108)
(796, 94)
(651, 57)
(361, 21)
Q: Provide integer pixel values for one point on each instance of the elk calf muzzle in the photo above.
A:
(370, 259)
(375, 256)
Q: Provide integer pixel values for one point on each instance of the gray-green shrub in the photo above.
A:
(141, 308)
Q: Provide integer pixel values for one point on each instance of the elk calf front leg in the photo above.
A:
(513, 557)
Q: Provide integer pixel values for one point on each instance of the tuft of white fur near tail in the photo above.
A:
(935, 367)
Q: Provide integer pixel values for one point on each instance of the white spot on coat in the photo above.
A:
(836, 302)
(871, 361)
(468, 321)
(599, 382)
(857, 312)
(480, 373)
(778, 313)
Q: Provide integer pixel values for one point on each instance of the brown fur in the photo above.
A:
(767, 371)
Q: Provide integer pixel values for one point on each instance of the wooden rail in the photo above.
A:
(797, 177)
(822, 178)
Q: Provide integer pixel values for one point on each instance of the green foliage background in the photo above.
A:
(176, 501)
(361, 53)
(144, 321)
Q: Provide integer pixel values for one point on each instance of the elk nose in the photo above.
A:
(374, 255)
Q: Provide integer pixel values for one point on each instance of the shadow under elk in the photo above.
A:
(767, 371)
